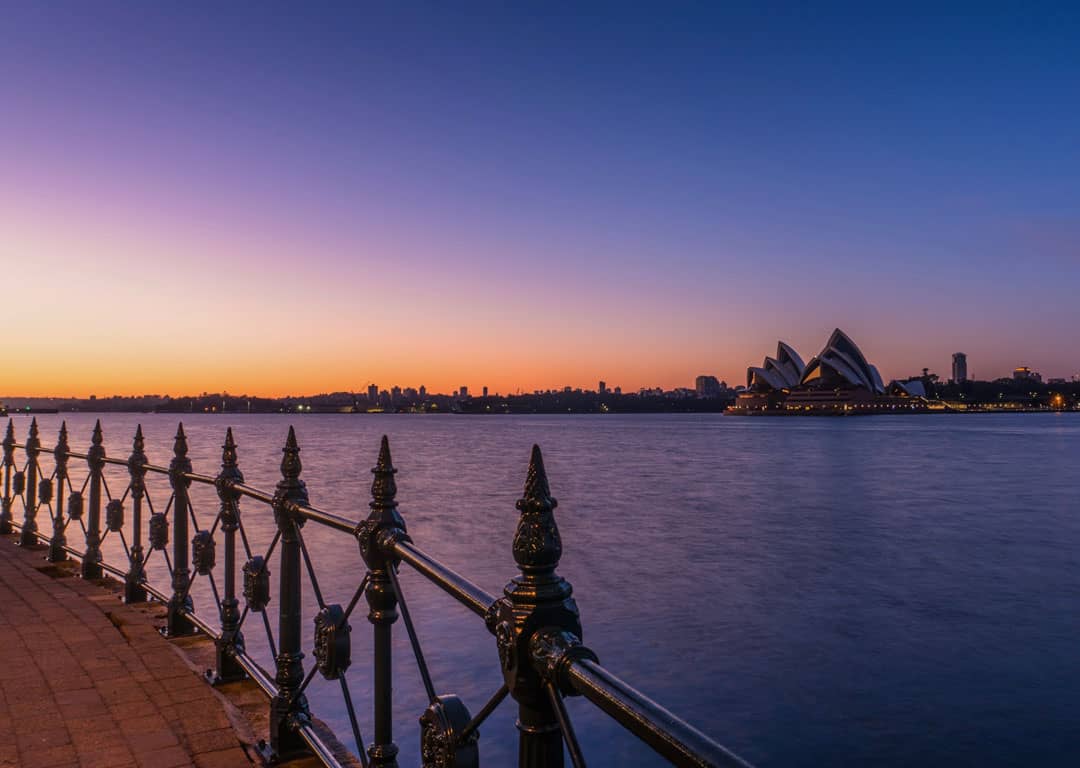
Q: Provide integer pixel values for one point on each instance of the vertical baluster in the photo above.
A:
(538, 599)
(57, 553)
(289, 709)
(135, 579)
(9, 467)
(231, 640)
(177, 623)
(376, 536)
(28, 535)
(95, 460)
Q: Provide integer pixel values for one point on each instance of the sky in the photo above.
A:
(284, 198)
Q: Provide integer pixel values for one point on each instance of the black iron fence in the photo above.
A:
(535, 623)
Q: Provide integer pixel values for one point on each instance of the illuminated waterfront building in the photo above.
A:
(837, 379)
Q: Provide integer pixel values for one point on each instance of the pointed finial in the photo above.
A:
(95, 457)
(290, 488)
(230, 469)
(60, 452)
(33, 442)
(537, 490)
(384, 487)
(9, 445)
(228, 449)
(537, 545)
(291, 466)
(138, 452)
(180, 446)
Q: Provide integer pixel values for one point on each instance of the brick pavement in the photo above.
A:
(88, 682)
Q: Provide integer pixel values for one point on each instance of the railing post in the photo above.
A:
(536, 604)
(9, 467)
(57, 553)
(177, 623)
(134, 592)
(95, 460)
(376, 536)
(289, 709)
(231, 640)
(28, 535)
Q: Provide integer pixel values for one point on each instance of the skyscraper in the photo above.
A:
(959, 367)
(372, 393)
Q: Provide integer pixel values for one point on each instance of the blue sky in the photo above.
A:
(538, 194)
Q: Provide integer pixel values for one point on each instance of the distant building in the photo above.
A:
(423, 391)
(618, 390)
(602, 389)
(464, 391)
(372, 393)
(395, 393)
(959, 367)
(485, 391)
(1024, 373)
(707, 386)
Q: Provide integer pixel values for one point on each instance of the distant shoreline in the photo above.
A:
(753, 415)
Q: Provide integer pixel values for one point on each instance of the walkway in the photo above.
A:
(88, 682)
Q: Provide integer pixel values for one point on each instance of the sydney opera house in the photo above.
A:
(839, 379)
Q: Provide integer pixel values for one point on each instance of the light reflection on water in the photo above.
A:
(883, 590)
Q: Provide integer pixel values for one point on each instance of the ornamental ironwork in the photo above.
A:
(159, 531)
(114, 515)
(333, 645)
(45, 489)
(256, 584)
(75, 505)
(536, 623)
(440, 729)
(202, 553)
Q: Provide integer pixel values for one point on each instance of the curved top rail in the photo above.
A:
(329, 519)
(461, 589)
(669, 735)
(253, 493)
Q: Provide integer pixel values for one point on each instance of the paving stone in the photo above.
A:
(89, 683)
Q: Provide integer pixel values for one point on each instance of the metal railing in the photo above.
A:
(536, 624)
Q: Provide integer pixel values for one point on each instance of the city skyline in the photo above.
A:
(265, 200)
(374, 390)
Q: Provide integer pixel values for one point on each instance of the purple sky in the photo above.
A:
(274, 200)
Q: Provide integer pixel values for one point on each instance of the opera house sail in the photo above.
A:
(839, 379)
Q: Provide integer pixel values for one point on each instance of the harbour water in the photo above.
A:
(878, 591)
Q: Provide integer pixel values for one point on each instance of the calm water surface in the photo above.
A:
(886, 591)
